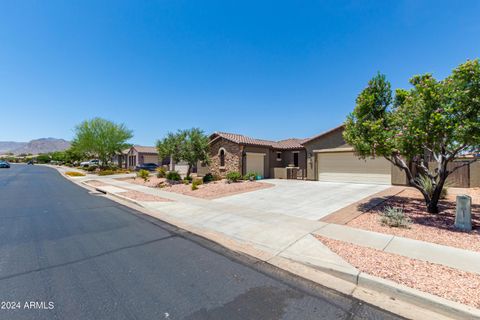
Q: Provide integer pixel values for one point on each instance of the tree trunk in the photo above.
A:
(432, 206)
(189, 170)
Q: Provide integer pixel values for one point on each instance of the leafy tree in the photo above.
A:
(73, 154)
(436, 120)
(101, 138)
(58, 156)
(43, 158)
(170, 146)
(190, 146)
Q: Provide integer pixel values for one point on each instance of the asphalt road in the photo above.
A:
(68, 254)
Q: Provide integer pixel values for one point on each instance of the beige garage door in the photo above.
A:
(346, 167)
(255, 163)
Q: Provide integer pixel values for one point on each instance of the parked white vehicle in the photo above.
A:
(90, 163)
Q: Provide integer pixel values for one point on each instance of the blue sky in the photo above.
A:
(268, 69)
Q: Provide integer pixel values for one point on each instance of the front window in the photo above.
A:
(295, 159)
(279, 156)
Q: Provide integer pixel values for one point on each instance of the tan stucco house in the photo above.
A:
(137, 155)
(323, 157)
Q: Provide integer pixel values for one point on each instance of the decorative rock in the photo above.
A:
(463, 215)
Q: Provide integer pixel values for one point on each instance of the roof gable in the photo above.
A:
(340, 127)
(145, 149)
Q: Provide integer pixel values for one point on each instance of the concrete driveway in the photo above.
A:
(304, 199)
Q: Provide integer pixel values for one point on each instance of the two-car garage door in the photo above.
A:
(346, 167)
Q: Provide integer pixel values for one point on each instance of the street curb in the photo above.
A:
(329, 275)
(422, 299)
(99, 189)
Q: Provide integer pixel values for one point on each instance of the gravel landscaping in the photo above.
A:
(211, 190)
(445, 282)
(436, 228)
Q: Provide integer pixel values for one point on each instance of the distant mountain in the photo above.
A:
(43, 145)
(7, 146)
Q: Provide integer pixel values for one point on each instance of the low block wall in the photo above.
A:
(278, 173)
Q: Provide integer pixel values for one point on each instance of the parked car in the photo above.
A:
(147, 166)
(4, 164)
(90, 163)
(30, 162)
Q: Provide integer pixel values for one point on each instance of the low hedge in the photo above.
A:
(75, 174)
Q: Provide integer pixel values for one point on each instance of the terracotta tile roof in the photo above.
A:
(143, 149)
(241, 139)
(292, 143)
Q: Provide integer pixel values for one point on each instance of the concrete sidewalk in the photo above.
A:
(288, 242)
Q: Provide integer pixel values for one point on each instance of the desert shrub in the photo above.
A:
(208, 178)
(188, 179)
(252, 176)
(91, 168)
(395, 217)
(233, 176)
(173, 176)
(196, 183)
(106, 172)
(75, 174)
(427, 185)
(161, 172)
(144, 174)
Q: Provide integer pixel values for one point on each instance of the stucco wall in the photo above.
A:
(273, 160)
(330, 140)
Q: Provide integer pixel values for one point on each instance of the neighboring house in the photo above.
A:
(235, 152)
(137, 155)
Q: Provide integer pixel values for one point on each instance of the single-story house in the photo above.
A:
(323, 157)
(136, 155)
(236, 152)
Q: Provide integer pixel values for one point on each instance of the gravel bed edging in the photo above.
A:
(112, 194)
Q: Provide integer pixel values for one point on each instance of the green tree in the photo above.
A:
(73, 154)
(190, 146)
(58, 156)
(43, 158)
(433, 120)
(101, 138)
